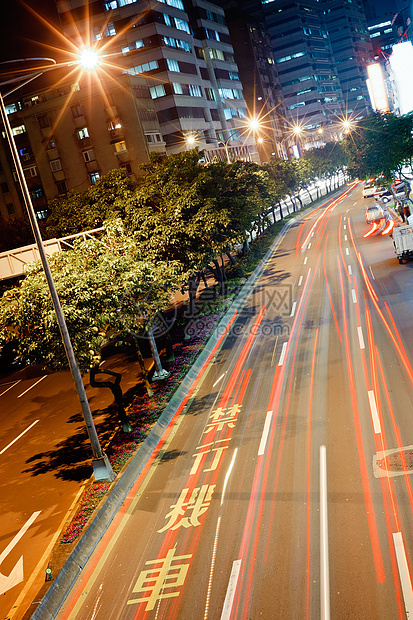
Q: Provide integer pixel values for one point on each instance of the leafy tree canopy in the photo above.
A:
(106, 290)
(104, 200)
(381, 145)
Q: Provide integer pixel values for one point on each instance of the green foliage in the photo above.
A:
(380, 146)
(104, 200)
(106, 289)
(188, 212)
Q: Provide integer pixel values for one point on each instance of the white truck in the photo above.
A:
(403, 242)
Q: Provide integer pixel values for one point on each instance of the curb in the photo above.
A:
(52, 601)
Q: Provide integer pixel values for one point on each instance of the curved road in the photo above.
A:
(282, 490)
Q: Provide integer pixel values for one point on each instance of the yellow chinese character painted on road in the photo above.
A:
(196, 505)
(222, 416)
(206, 449)
(159, 580)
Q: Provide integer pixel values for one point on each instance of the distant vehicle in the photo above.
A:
(374, 214)
(369, 189)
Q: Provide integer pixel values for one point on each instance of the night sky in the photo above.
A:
(22, 34)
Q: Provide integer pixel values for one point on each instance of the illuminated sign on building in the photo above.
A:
(401, 62)
(376, 88)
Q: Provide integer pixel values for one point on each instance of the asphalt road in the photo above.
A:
(282, 490)
(45, 460)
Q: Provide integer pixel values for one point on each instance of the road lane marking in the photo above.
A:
(300, 280)
(17, 438)
(219, 379)
(32, 386)
(347, 251)
(265, 432)
(227, 475)
(372, 274)
(305, 260)
(374, 413)
(360, 335)
(309, 246)
(324, 568)
(350, 271)
(232, 585)
(353, 294)
(345, 226)
(211, 572)
(293, 308)
(283, 350)
(12, 386)
(404, 573)
(16, 575)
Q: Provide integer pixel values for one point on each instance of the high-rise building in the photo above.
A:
(346, 28)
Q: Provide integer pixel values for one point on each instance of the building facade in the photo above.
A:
(69, 134)
(346, 26)
(183, 48)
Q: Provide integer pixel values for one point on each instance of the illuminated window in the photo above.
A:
(147, 66)
(16, 131)
(82, 133)
(181, 24)
(178, 4)
(110, 30)
(173, 65)
(157, 91)
(120, 146)
(94, 176)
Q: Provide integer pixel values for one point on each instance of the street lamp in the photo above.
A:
(252, 125)
(102, 468)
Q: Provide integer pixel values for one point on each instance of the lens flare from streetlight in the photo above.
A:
(88, 59)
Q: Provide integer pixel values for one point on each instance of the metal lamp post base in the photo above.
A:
(159, 376)
(102, 469)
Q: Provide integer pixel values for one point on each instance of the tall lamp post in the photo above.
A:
(102, 468)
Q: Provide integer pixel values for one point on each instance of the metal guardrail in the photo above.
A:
(14, 262)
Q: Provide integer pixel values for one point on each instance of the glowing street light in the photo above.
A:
(251, 126)
(101, 466)
(89, 59)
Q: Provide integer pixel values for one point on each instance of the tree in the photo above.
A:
(189, 212)
(102, 201)
(381, 145)
(106, 289)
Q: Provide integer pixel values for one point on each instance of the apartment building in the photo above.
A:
(69, 133)
(183, 48)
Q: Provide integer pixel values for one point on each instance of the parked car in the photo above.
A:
(384, 196)
(369, 189)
